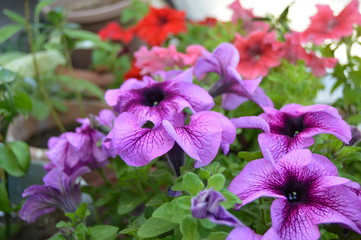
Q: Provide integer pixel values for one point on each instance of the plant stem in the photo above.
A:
(7, 215)
(102, 174)
(263, 212)
(38, 78)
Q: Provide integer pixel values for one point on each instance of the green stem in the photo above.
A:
(102, 174)
(263, 212)
(38, 78)
(7, 215)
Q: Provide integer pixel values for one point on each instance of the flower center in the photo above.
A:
(293, 125)
(331, 24)
(255, 52)
(162, 20)
(295, 191)
(153, 96)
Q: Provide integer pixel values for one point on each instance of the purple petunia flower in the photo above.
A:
(154, 101)
(59, 192)
(235, 91)
(206, 205)
(293, 127)
(308, 193)
(200, 139)
(245, 233)
(80, 148)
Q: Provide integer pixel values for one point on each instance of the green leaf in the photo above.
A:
(6, 76)
(249, 156)
(82, 212)
(9, 163)
(62, 224)
(22, 154)
(217, 236)
(82, 85)
(188, 228)
(171, 211)
(40, 109)
(88, 36)
(39, 7)
(184, 202)
(154, 227)
(232, 199)
(128, 202)
(15, 17)
(47, 61)
(4, 198)
(22, 103)
(192, 183)
(216, 182)
(104, 232)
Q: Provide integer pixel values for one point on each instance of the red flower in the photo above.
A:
(155, 27)
(113, 31)
(318, 65)
(246, 15)
(258, 52)
(134, 72)
(209, 21)
(324, 25)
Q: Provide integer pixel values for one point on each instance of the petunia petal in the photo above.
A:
(251, 122)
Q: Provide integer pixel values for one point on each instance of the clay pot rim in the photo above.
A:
(91, 15)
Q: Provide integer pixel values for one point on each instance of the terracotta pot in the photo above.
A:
(91, 14)
(24, 129)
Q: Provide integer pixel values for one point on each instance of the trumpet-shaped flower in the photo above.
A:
(80, 148)
(158, 24)
(259, 51)
(138, 145)
(59, 192)
(324, 25)
(206, 205)
(307, 191)
(235, 91)
(155, 101)
(113, 31)
(294, 126)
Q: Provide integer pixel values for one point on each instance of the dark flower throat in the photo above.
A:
(153, 96)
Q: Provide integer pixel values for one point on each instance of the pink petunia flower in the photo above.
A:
(308, 192)
(318, 65)
(324, 25)
(159, 59)
(294, 126)
(259, 51)
(247, 16)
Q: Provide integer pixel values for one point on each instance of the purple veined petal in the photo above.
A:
(133, 83)
(33, 208)
(337, 205)
(205, 65)
(330, 181)
(271, 234)
(111, 96)
(61, 153)
(106, 117)
(228, 132)
(243, 233)
(260, 98)
(196, 96)
(252, 84)
(292, 108)
(314, 108)
(253, 181)
(279, 145)
(293, 222)
(235, 84)
(327, 165)
(227, 53)
(200, 139)
(251, 122)
(231, 101)
(137, 146)
(322, 122)
(184, 76)
(78, 140)
(296, 159)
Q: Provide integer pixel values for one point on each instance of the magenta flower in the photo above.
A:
(59, 192)
(307, 191)
(324, 25)
(294, 126)
(244, 233)
(80, 148)
(154, 101)
(206, 205)
(235, 91)
(200, 139)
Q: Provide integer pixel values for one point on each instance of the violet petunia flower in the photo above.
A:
(137, 145)
(244, 232)
(308, 192)
(293, 127)
(59, 192)
(234, 90)
(154, 101)
(206, 205)
(80, 148)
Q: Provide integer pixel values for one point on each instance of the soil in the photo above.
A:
(40, 139)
